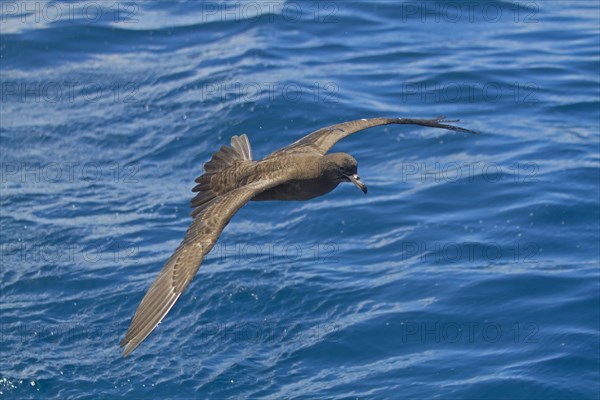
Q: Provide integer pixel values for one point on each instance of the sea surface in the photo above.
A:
(469, 271)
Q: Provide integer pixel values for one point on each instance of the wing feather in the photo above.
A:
(182, 266)
(323, 139)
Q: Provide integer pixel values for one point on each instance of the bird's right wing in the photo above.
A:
(322, 140)
(185, 262)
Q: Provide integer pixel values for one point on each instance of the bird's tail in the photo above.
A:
(221, 172)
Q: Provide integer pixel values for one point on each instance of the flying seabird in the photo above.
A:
(300, 171)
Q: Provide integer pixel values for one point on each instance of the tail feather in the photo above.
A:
(242, 146)
(210, 185)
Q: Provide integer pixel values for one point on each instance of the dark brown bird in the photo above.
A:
(300, 171)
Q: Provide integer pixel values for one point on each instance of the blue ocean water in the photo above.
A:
(469, 271)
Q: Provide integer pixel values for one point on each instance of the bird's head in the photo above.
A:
(342, 167)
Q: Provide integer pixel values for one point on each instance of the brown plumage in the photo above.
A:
(231, 178)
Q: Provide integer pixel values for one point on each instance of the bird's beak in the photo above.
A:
(356, 180)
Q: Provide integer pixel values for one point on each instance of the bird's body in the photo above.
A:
(310, 175)
(298, 190)
(300, 171)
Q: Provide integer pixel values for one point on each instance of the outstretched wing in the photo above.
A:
(185, 262)
(322, 140)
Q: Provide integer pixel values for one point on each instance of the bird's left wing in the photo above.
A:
(322, 140)
(179, 270)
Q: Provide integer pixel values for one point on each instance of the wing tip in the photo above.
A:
(129, 347)
(443, 121)
(438, 122)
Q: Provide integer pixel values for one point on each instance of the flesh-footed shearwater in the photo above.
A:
(300, 171)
